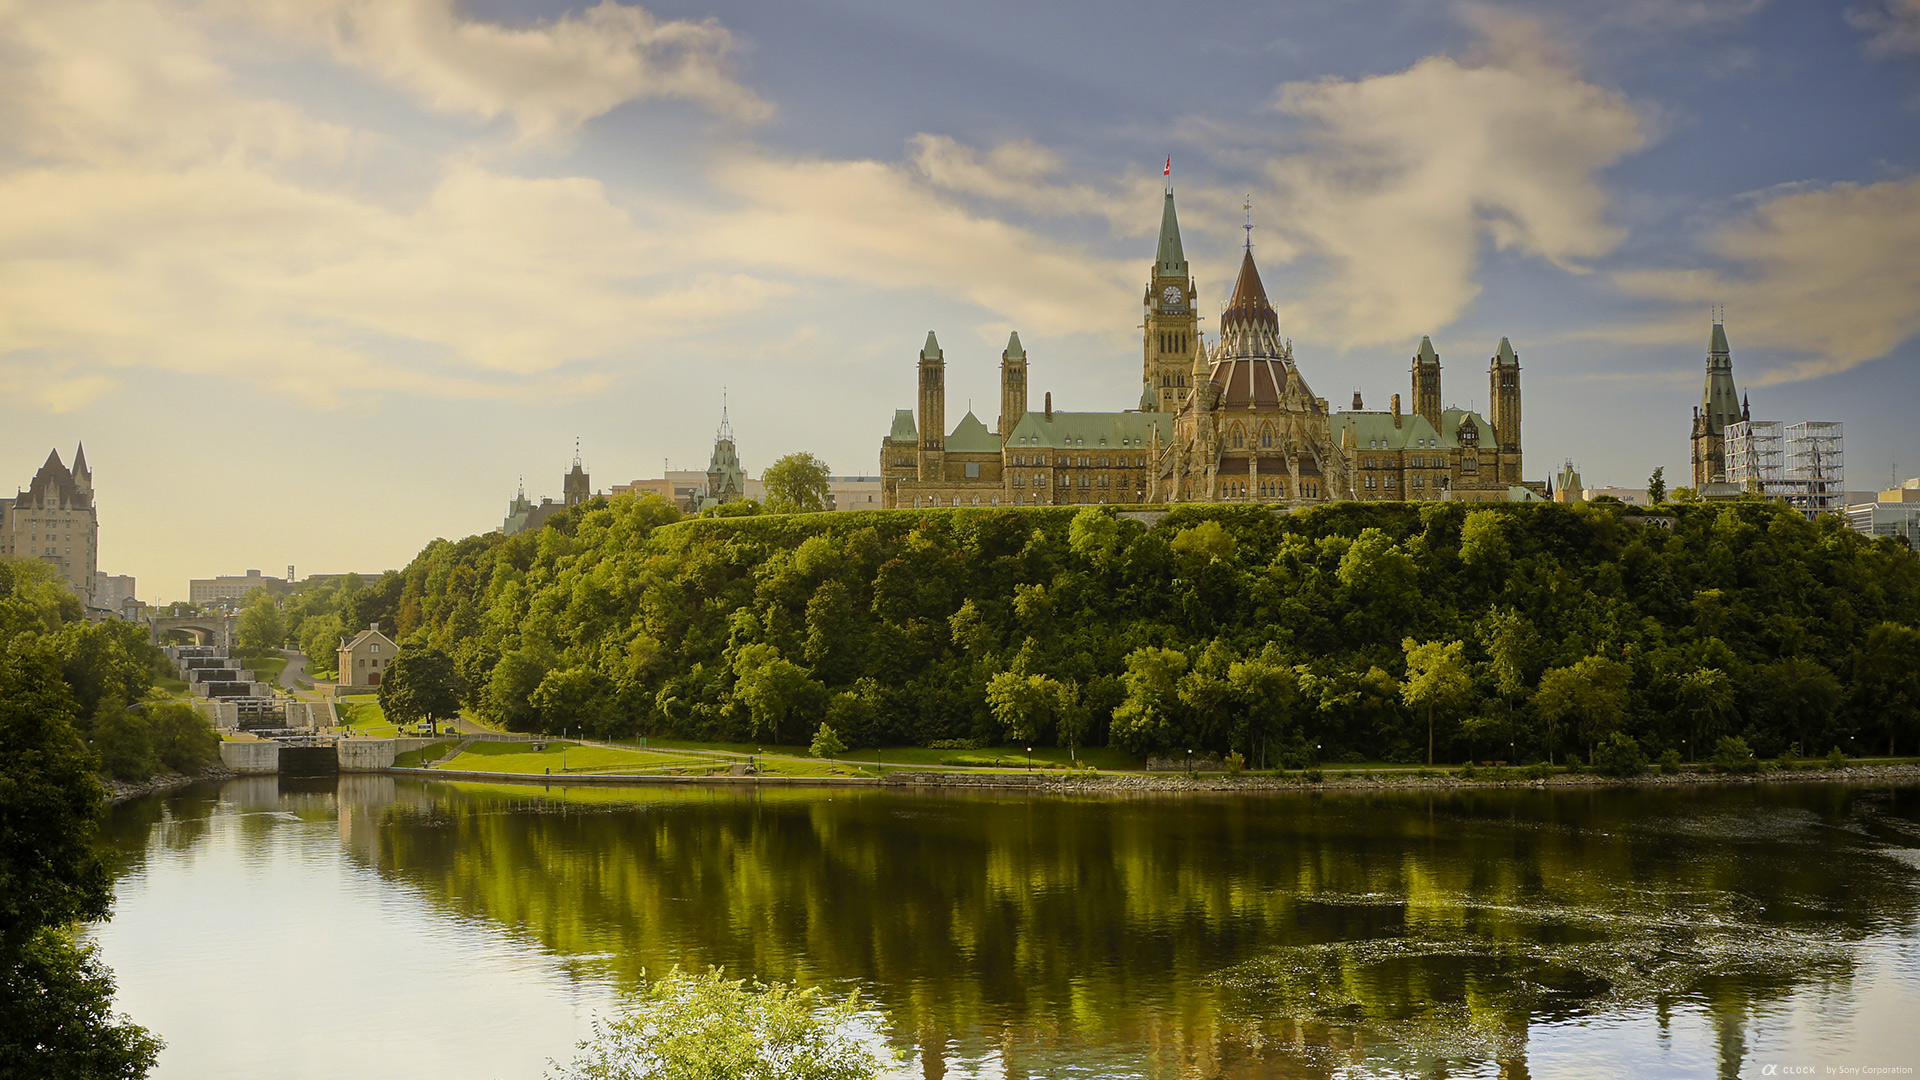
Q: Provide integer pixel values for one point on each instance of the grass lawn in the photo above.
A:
(362, 716)
(1106, 759)
(267, 669)
(522, 758)
(413, 759)
(171, 687)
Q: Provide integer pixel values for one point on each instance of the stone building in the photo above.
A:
(54, 520)
(364, 658)
(1234, 421)
(1720, 407)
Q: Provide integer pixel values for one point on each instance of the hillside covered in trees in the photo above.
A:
(1348, 632)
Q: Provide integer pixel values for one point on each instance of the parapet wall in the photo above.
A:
(248, 758)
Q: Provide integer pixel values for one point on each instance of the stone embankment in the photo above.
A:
(119, 791)
(1054, 780)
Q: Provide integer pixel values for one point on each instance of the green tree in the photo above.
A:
(796, 484)
(1266, 688)
(182, 739)
(124, 742)
(1620, 754)
(1207, 540)
(1437, 680)
(1592, 694)
(1886, 675)
(1513, 651)
(421, 684)
(57, 1019)
(1145, 719)
(707, 1027)
(1707, 694)
(769, 685)
(1029, 707)
(826, 744)
(1657, 486)
(261, 626)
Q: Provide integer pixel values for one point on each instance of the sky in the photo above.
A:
(317, 281)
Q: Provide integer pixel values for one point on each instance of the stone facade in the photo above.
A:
(364, 659)
(1720, 408)
(54, 520)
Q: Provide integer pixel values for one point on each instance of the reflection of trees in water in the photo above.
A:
(1219, 937)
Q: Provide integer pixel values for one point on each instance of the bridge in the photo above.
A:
(220, 631)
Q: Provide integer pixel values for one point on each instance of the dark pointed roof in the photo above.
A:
(1249, 303)
(80, 460)
(1172, 261)
(1426, 355)
(54, 484)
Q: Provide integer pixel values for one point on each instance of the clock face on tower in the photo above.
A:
(1170, 296)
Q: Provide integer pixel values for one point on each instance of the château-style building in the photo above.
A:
(1232, 422)
(54, 520)
(1720, 408)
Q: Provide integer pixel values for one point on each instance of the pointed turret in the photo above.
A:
(1171, 258)
(1426, 355)
(1504, 355)
(931, 351)
(1249, 305)
(80, 461)
(1013, 385)
(1717, 344)
(1426, 382)
(1720, 406)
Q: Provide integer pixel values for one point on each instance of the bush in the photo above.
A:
(1235, 763)
(826, 744)
(1539, 770)
(1836, 759)
(1670, 762)
(124, 741)
(1732, 754)
(1466, 772)
(182, 740)
(1620, 755)
(1313, 775)
(957, 744)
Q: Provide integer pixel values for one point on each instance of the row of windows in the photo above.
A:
(1172, 380)
(1173, 342)
(1239, 437)
(1124, 461)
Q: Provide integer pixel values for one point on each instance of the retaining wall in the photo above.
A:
(248, 758)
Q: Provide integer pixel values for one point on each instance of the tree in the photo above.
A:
(1657, 486)
(1145, 718)
(796, 484)
(696, 1027)
(769, 685)
(826, 744)
(261, 626)
(1265, 687)
(1591, 693)
(1437, 679)
(1708, 696)
(1620, 754)
(182, 739)
(421, 685)
(1029, 706)
(54, 996)
(1886, 676)
(1513, 650)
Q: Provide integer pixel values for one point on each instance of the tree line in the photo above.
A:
(1397, 631)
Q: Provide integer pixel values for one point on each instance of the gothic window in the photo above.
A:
(1236, 439)
(1266, 440)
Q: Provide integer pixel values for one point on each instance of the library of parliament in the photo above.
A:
(1231, 420)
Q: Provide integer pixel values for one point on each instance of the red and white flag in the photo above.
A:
(1168, 171)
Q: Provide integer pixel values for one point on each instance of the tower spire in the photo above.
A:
(726, 425)
(1248, 207)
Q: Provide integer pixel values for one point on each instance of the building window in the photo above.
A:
(375, 647)
(973, 470)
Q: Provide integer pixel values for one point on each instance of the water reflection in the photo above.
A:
(1288, 935)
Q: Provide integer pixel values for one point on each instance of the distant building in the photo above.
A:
(364, 658)
(112, 591)
(1720, 408)
(54, 521)
(576, 487)
(1802, 463)
(726, 480)
(1895, 512)
(684, 488)
(854, 493)
(234, 588)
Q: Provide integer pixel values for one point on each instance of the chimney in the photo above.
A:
(1049, 405)
(1357, 406)
(1396, 410)
(375, 627)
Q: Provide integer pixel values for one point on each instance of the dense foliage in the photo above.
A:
(1532, 630)
(62, 682)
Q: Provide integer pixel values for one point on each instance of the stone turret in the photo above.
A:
(933, 411)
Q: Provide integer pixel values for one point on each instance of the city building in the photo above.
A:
(231, 589)
(684, 488)
(364, 658)
(1234, 421)
(1894, 512)
(112, 591)
(54, 520)
(853, 493)
(726, 480)
(1802, 463)
(1720, 408)
(576, 487)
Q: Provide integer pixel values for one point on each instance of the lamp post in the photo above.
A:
(1189, 762)
(1029, 759)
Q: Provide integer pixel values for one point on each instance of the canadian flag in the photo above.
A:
(1168, 171)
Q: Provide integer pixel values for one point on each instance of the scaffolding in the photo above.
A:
(1801, 463)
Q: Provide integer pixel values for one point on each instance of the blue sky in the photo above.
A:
(319, 280)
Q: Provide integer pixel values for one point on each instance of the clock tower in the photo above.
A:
(1172, 331)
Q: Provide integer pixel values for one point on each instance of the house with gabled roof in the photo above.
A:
(364, 659)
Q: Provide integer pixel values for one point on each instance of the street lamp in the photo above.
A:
(1189, 762)
(1029, 759)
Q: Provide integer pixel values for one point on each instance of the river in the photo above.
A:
(374, 927)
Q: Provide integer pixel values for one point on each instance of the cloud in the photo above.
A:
(1892, 26)
(1829, 274)
(880, 224)
(1401, 178)
(1023, 174)
(549, 77)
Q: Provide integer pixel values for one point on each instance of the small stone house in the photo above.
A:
(364, 658)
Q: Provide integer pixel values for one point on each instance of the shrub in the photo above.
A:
(1670, 762)
(826, 744)
(1836, 759)
(1466, 772)
(1620, 755)
(182, 739)
(1537, 771)
(1313, 775)
(1732, 754)
(1235, 763)
(957, 744)
(124, 741)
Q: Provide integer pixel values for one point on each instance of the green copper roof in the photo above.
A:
(970, 436)
(903, 427)
(1427, 355)
(1014, 351)
(1376, 430)
(1089, 430)
(1172, 260)
(1504, 355)
(932, 349)
(1450, 421)
(1718, 346)
(1147, 400)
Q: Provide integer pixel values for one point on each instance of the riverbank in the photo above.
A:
(1096, 783)
(119, 791)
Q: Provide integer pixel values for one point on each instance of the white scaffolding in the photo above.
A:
(1801, 463)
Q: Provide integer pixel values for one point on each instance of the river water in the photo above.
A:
(374, 927)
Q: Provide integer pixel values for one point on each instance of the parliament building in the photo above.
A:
(1233, 420)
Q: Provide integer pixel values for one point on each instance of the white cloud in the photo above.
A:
(549, 77)
(1892, 26)
(1404, 176)
(1024, 174)
(1828, 274)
